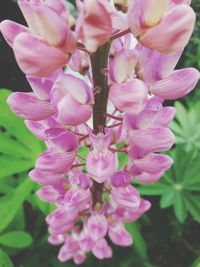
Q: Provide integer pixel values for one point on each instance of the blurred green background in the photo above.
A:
(167, 236)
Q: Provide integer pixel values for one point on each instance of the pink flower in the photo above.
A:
(129, 97)
(72, 97)
(178, 21)
(117, 83)
(102, 250)
(48, 33)
(97, 226)
(94, 26)
(126, 197)
(119, 235)
(28, 106)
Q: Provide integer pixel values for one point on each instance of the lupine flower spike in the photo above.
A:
(99, 81)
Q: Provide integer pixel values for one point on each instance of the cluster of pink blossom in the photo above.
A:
(120, 58)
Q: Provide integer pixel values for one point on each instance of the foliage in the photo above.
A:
(180, 186)
(186, 126)
(18, 151)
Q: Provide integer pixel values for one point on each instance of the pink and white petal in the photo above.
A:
(41, 87)
(159, 65)
(129, 97)
(48, 193)
(147, 178)
(97, 226)
(122, 67)
(27, 11)
(74, 86)
(56, 239)
(144, 14)
(127, 197)
(153, 139)
(68, 250)
(10, 30)
(179, 84)
(102, 250)
(55, 163)
(79, 257)
(44, 178)
(62, 140)
(100, 141)
(154, 163)
(71, 112)
(37, 62)
(28, 106)
(173, 32)
(94, 26)
(119, 235)
(101, 166)
(52, 27)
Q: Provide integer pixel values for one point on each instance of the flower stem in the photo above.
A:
(99, 61)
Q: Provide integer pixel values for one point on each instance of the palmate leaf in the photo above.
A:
(12, 202)
(180, 186)
(18, 152)
(186, 126)
(18, 147)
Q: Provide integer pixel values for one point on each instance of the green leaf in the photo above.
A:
(16, 128)
(123, 160)
(16, 239)
(139, 243)
(153, 189)
(5, 261)
(10, 165)
(192, 204)
(167, 199)
(10, 204)
(179, 206)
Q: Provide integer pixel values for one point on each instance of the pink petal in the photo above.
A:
(29, 107)
(71, 112)
(94, 26)
(56, 240)
(148, 178)
(10, 30)
(79, 257)
(179, 84)
(119, 235)
(55, 163)
(100, 141)
(154, 163)
(74, 86)
(122, 67)
(53, 28)
(68, 250)
(41, 87)
(48, 193)
(155, 138)
(27, 10)
(62, 140)
(121, 179)
(144, 14)
(37, 62)
(102, 250)
(159, 65)
(100, 166)
(97, 226)
(45, 179)
(127, 197)
(173, 32)
(129, 97)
